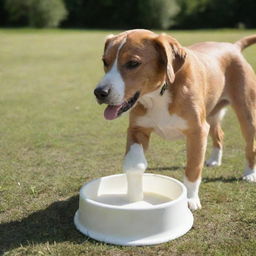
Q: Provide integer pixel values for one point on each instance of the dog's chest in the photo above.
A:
(158, 117)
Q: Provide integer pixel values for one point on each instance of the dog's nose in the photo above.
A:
(101, 93)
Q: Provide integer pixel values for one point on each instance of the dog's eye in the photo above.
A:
(132, 64)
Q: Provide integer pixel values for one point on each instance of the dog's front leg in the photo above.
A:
(137, 143)
(135, 162)
(196, 147)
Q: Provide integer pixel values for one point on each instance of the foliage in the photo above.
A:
(47, 13)
(215, 13)
(128, 14)
(157, 13)
(121, 14)
(17, 11)
(3, 14)
(36, 13)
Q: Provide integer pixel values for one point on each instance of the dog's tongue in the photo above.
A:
(111, 112)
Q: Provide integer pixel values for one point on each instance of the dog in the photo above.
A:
(178, 91)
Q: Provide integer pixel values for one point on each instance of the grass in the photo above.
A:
(53, 138)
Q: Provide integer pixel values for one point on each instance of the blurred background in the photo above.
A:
(114, 14)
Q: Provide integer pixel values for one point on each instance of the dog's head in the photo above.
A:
(136, 62)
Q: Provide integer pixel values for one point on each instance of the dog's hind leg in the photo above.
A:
(247, 119)
(248, 126)
(196, 147)
(217, 136)
(243, 100)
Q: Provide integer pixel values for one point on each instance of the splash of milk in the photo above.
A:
(134, 166)
(135, 186)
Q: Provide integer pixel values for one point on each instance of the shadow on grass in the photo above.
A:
(171, 168)
(222, 179)
(53, 224)
(205, 180)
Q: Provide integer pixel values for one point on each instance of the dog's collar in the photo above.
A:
(163, 89)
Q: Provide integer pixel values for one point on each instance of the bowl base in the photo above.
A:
(151, 240)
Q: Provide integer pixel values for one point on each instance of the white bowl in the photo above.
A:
(106, 215)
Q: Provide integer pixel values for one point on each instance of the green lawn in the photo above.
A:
(53, 138)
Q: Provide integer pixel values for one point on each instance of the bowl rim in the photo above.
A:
(135, 208)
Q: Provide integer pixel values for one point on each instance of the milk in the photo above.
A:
(134, 186)
(122, 200)
(134, 166)
(135, 196)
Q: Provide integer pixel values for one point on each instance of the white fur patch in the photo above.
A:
(250, 174)
(114, 81)
(135, 160)
(158, 117)
(215, 158)
(222, 113)
(192, 193)
(218, 116)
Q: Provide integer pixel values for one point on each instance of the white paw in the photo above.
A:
(135, 160)
(192, 193)
(212, 163)
(215, 158)
(194, 203)
(250, 175)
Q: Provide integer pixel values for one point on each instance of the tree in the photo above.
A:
(121, 14)
(36, 13)
(215, 13)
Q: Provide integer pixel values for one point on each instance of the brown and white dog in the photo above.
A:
(179, 91)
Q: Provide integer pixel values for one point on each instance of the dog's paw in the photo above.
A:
(212, 163)
(215, 158)
(194, 203)
(135, 160)
(250, 175)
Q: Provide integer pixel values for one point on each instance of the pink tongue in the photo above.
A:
(111, 112)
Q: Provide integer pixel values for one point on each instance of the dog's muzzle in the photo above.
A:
(113, 111)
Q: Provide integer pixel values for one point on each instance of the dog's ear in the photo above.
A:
(107, 41)
(172, 55)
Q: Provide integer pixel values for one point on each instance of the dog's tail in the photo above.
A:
(246, 41)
